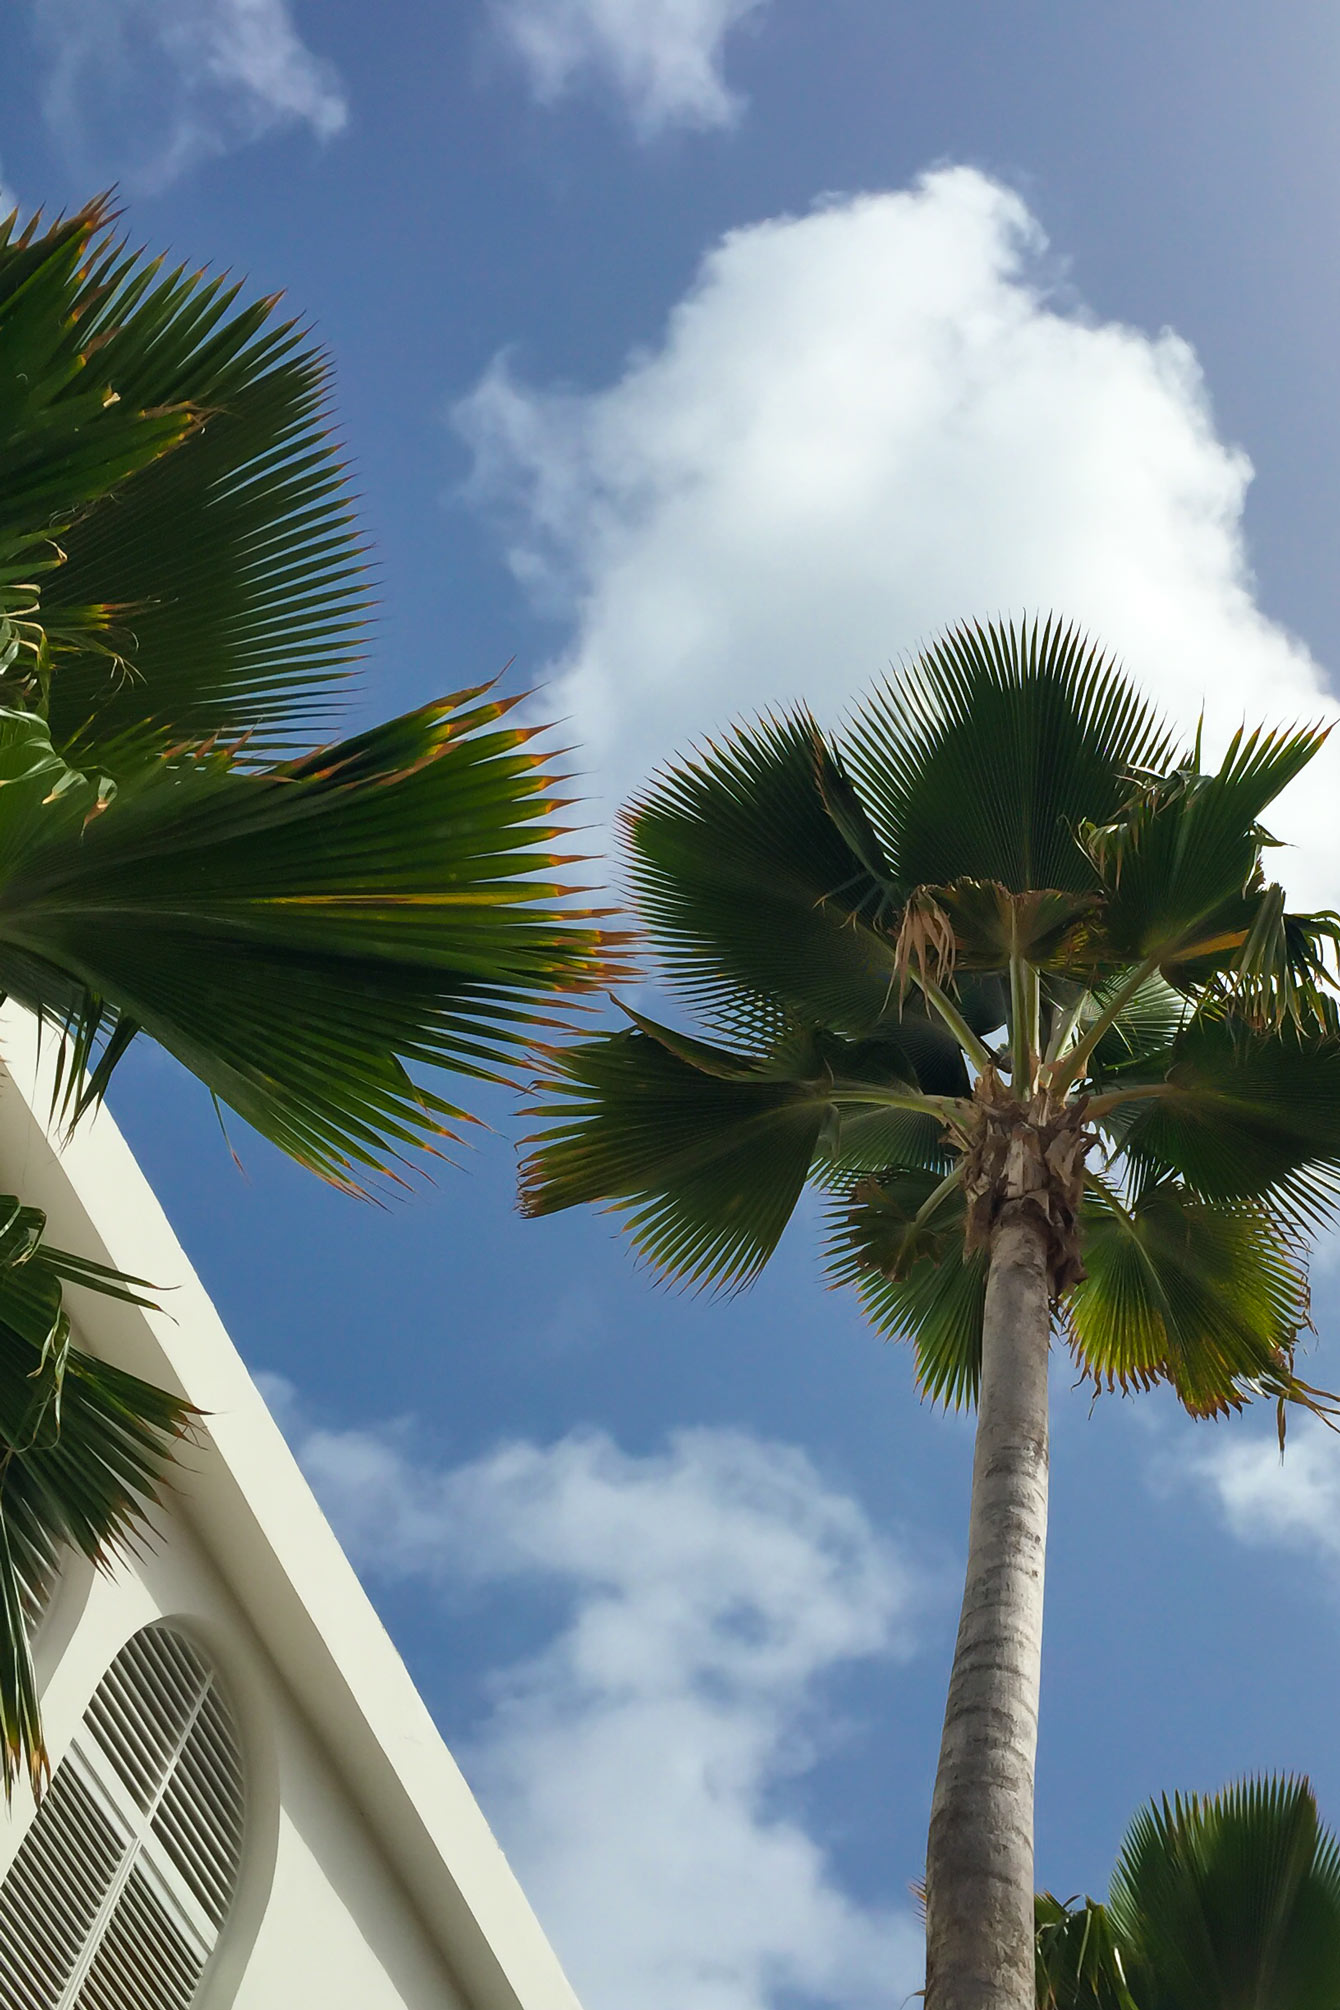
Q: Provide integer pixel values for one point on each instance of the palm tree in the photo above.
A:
(1228, 1902)
(315, 931)
(999, 971)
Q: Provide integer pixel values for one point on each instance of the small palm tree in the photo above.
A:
(999, 971)
(315, 931)
(1230, 1902)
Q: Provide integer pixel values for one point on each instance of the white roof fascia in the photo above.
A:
(245, 1497)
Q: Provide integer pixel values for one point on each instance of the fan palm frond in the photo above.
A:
(84, 1450)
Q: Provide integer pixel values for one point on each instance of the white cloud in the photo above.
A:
(861, 425)
(662, 57)
(632, 1766)
(1292, 1503)
(151, 87)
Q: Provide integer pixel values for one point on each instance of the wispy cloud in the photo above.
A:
(145, 89)
(631, 1766)
(663, 58)
(1291, 1503)
(860, 425)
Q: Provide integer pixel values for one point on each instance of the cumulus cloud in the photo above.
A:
(631, 1767)
(858, 426)
(148, 88)
(662, 57)
(1292, 1503)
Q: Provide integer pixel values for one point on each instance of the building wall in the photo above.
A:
(319, 1918)
(371, 1876)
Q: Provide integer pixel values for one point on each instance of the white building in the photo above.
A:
(251, 1805)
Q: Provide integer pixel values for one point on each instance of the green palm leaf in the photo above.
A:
(874, 1139)
(83, 1450)
(1048, 926)
(768, 897)
(1143, 1030)
(706, 1150)
(1206, 1296)
(1079, 1959)
(751, 890)
(1228, 1902)
(212, 589)
(1181, 861)
(983, 757)
(299, 939)
(1238, 1111)
(899, 1240)
(64, 441)
(706, 1169)
(230, 566)
(1231, 1900)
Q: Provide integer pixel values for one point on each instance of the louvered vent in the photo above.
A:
(122, 1883)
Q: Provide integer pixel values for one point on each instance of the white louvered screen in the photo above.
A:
(122, 1883)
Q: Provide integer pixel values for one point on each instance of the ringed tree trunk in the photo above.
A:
(1023, 1183)
(979, 1858)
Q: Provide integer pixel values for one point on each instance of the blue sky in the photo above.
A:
(695, 355)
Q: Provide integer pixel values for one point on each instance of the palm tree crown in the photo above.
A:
(315, 931)
(1000, 893)
(997, 968)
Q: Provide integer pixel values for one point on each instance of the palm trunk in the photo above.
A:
(979, 1859)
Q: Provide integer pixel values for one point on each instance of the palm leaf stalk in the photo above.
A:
(1217, 1902)
(321, 930)
(999, 970)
